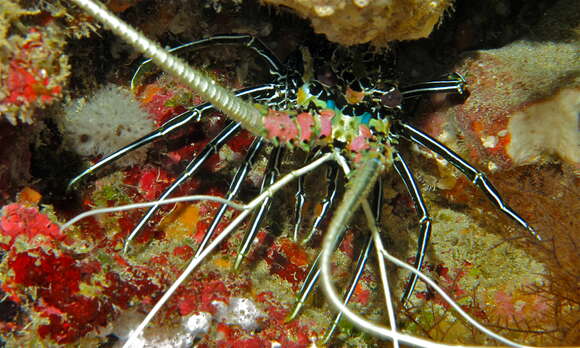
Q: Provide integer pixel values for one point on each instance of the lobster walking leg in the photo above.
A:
(424, 219)
(478, 178)
(235, 186)
(211, 148)
(272, 173)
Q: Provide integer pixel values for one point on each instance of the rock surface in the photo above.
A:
(350, 22)
(524, 99)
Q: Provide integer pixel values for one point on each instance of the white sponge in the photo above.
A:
(109, 120)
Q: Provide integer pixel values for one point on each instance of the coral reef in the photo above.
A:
(519, 123)
(77, 288)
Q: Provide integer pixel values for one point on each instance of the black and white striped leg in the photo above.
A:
(360, 265)
(272, 173)
(362, 258)
(169, 126)
(235, 186)
(455, 83)
(477, 177)
(306, 289)
(424, 219)
(211, 148)
(245, 40)
(314, 271)
(308, 285)
(300, 196)
(332, 182)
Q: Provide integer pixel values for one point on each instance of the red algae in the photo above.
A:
(18, 220)
(288, 260)
(154, 98)
(152, 182)
(34, 69)
(241, 141)
(62, 290)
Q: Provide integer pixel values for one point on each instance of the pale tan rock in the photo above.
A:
(350, 22)
(524, 98)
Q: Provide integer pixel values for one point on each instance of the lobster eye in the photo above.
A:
(392, 98)
(327, 77)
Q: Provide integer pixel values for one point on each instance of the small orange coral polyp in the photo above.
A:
(294, 252)
(361, 295)
(29, 196)
(182, 220)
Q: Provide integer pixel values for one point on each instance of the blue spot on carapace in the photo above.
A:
(331, 104)
(365, 118)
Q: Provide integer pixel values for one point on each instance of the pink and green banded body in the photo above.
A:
(320, 121)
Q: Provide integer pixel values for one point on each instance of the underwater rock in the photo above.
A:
(15, 159)
(350, 22)
(524, 104)
(524, 99)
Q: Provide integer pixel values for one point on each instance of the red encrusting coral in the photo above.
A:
(58, 278)
(240, 142)
(288, 260)
(36, 264)
(18, 220)
(26, 87)
(154, 98)
(35, 72)
(139, 285)
(152, 182)
(67, 293)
